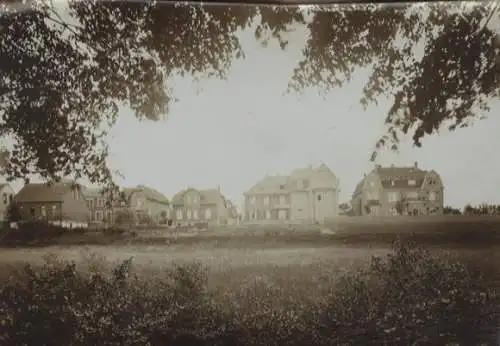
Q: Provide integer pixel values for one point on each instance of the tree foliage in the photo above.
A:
(450, 84)
(13, 213)
(64, 74)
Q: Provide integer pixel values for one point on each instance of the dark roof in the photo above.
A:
(399, 177)
(396, 177)
(43, 192)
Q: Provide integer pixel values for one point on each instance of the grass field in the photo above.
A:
(259, 285)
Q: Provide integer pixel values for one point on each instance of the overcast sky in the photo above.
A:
(232, 133)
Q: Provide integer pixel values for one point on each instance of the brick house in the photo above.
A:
(101, 211)
(59, 203)
(388, 191)
(192, 206)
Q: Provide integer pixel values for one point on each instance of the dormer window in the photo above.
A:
(282, 187)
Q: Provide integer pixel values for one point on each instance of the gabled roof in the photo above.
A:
(272, 184)
(42, 192)
(153, 195)
(396, 177)
(149, 193)
(208, 196)
(399, 177)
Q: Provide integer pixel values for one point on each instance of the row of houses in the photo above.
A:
(306, 195)
(73, 205)
(311, 195)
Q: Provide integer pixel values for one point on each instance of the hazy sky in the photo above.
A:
(232, 133)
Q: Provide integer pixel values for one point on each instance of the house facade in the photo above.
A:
(390, 191)
(307, 195)
(61, 203)
(192, 206)
(7, 195)
(147, 204)
(102, 210)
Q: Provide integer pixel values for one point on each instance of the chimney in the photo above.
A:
(415, 164)
(218, 188)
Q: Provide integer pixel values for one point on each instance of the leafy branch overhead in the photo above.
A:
(65, 73)
(450, 84)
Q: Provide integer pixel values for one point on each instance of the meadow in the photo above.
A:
(260, 286)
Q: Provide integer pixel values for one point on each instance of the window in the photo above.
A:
(11, 197)
(188, 199)
(4, 198)
(54, 208)
(392, 183)
(253, 200)
(282, 215)
(412, 182)
(266, 200)
(195, 214)
(43, 212)
(318, 197)
(305, 184)
(268, 214)
(208, 214)
(32, 211)
(392, 197)
(99, 216)
(179, 214)
(282, 187)
(188, 214)
(412, 194)
(432, 196)
(195, 199)
(100, 202)
(372, 184)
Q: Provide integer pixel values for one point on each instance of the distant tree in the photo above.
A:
(124, 217)
(145, 219)
(344, 207)
(163, 217)
(469, 209)
(13, 213)
(447, 210)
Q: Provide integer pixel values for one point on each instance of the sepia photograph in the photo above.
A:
(223, 173)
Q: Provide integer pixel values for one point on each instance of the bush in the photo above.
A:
(32, 232)
(409, 297)
(113, 231)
